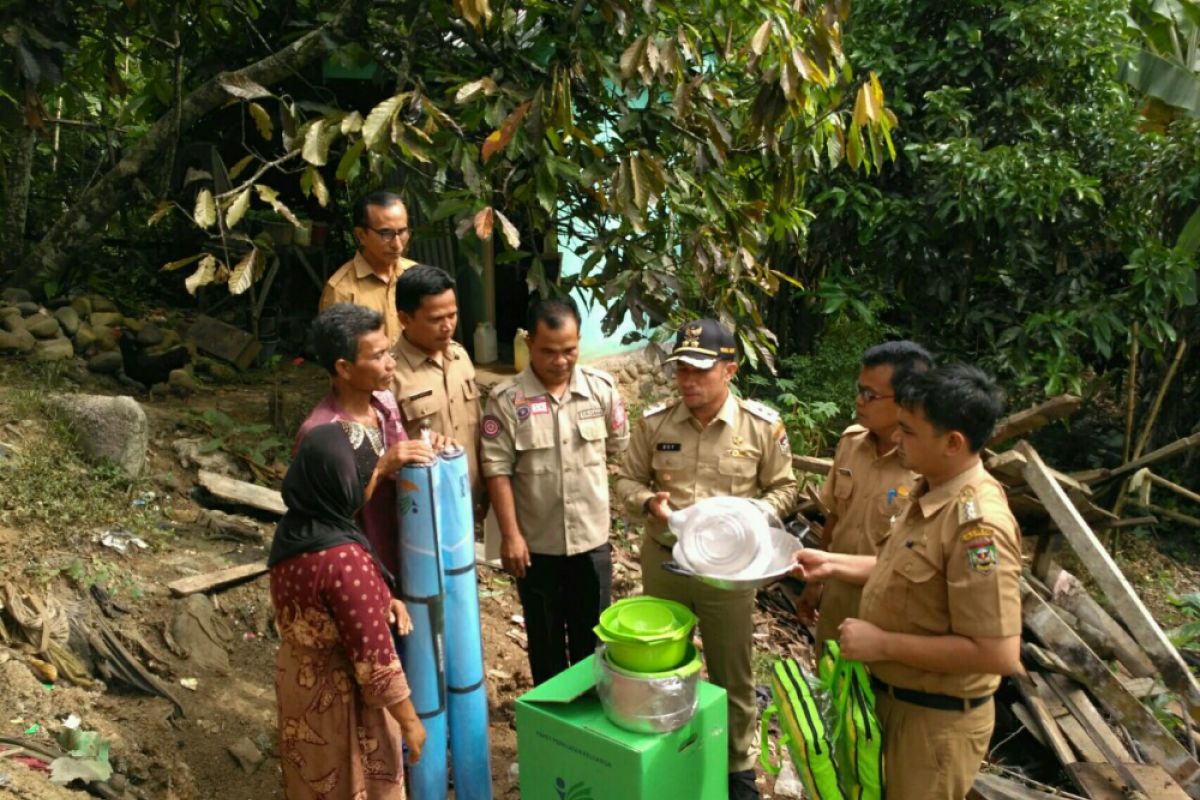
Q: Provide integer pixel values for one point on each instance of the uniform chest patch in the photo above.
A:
(539, 407)
(668, 447)
(522, 412)
(419, 395)
(981, 551)
(591, 413)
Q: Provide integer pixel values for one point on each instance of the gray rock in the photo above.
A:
(106, 319)
(12, 322)
(150, 335)
(101, 303)
(218, 371)
(160, 391)
(112, 429)
(182, 382)
(75, 370)
(84, 338)
(42, 326)
(107, 363)
(106, 338)
(15, 295)
(171, 339)
(28, 309)
(20, 341)
(58, 349)
(190, 454)
(68, 318)
(247, 754)
(82, 306)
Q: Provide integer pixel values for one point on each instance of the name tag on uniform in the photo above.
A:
(668, 447)
(591, 413)
(539, 407)
(419, 395)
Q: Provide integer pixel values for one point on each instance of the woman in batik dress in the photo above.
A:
(345, 713)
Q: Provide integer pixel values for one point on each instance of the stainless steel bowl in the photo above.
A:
(784, 547)
(645, 703)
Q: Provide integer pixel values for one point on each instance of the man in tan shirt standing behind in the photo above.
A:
(369, 279)
(868, 486)
(547, 436)
(435, 379)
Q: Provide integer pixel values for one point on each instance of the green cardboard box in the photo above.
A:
(568, 750)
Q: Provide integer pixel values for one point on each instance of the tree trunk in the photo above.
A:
(50, 258)
(16, 201)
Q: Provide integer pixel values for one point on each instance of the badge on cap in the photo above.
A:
(691, 335)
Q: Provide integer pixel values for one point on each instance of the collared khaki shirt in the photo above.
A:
(555, 452)
(440, 390)
(355, 282)
(743, 452)
(867, 492)
(951, 564)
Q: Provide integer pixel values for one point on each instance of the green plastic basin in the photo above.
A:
(690, 666)
(644, 619)
(659, 655)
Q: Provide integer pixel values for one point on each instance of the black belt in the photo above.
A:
(941, 702)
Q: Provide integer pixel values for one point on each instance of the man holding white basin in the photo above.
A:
(709, 443)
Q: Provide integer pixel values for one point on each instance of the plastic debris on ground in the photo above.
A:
(120, 540)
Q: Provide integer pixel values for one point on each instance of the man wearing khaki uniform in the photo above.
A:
(940, 617)
(369, 279)
(867, 486)
(546, 438)
(435, 379)
(708, 444)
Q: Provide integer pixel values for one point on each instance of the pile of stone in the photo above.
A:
(84, 328)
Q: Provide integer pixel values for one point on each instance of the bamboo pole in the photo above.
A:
(1152, 418)
(1131, 391)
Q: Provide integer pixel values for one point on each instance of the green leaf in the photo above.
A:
(1189, 237)
(1167, 80)
(183, 262)
(348, 166)
(379, 121)
(237, 208)
(262, 120)
(206, 209)
(243, 273)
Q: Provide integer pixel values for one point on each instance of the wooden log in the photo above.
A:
(1023, 715)
(248, 494)
(813, 464)
(1166, 451)
(1007, 467)
(216, 580)
(224, 341)
(1174, 487)
(1126, 522)
(994, 787)
(1023, 422)
(1070, 593)
(1081, 708)
(1047, 725)
(1104, 782)
(1087, 668)
(1111, 581)
(1186, 519)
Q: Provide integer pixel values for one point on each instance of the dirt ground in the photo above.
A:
(161, 754)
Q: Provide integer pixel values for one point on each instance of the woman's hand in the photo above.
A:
(398, 616)
(410, 728)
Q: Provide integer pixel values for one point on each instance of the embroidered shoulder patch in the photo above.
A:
(761, 411)
(781, 439)
(490, 427)
(981, 551)
(618, 413)
(968, 506)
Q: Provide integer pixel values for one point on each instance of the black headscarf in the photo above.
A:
(323, 490)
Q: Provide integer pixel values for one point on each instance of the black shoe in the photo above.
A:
(742, 785)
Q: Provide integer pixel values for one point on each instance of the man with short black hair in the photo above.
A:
(369, 279)
(710, 443)
(867, 486)
(547, 436)
(353, 348)
(435, 379)
(940, 617)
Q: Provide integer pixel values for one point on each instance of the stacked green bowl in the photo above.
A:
(646, 634)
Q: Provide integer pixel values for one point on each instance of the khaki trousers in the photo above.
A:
(932, 754)
(726, 629)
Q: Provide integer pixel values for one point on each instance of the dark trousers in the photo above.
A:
(562, 597)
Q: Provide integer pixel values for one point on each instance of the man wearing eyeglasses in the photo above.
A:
(369, 279)
(867, 486)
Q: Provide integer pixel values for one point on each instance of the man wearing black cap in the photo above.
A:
(706, 444)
